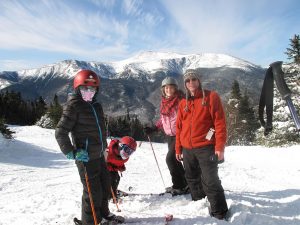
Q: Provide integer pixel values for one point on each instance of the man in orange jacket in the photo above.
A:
(200, 142)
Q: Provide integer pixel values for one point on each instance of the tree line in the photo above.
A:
(15, 110)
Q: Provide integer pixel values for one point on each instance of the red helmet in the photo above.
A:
(129, 141)
(86, 78)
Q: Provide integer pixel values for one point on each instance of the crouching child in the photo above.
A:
(117, 154)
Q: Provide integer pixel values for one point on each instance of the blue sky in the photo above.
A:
(34, 33)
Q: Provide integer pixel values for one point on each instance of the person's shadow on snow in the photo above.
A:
(273, 207)
(22, 153)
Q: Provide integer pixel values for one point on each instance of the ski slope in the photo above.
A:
(39, 186)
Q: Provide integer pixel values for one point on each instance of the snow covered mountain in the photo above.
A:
(134, 83)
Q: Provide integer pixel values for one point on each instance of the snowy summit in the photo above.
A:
(144, 62)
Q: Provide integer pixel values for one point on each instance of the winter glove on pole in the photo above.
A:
(149, 130)
(79, 155)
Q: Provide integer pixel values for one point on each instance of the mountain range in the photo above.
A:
(133, 84)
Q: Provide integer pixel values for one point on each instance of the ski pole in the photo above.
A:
(156, 161)
(115, 199)
(107, 131)
(140, 143)
(90, 195)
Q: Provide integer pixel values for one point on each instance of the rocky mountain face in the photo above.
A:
(134, 84)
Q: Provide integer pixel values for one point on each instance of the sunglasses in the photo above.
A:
(87, 88)
(190, 79)
(126, 149)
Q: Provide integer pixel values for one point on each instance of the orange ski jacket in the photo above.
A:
(195, 118)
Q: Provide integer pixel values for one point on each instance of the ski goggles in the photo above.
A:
(126, 149)
(87, 88)
(190, 79)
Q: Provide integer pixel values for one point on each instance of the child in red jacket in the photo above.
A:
(118, 153)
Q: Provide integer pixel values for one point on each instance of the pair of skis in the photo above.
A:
(79, 222)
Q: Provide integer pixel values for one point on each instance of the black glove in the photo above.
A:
(149, 130)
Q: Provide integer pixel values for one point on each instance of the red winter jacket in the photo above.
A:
(114, 161)
(192, 125)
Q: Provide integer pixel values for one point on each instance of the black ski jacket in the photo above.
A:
(85, 122)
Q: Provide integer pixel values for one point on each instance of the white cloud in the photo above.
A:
(132, 7)
(108, 4)
(58, 27)
(13, 65)
(106, 29)
(243, 28)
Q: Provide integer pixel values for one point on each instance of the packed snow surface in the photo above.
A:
(39, 186)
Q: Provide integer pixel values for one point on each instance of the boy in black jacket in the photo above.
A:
(83, 117)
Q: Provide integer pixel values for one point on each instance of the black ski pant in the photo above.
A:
(175, 167)
(99, 182)
(201, 172)
(115, 180)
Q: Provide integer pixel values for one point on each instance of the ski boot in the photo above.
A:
(178, 191)
(112, 219)
(220, 216)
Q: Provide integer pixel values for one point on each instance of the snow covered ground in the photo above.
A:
(39, 186)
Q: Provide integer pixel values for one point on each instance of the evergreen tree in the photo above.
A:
(235, 90)
(231, 110)
(246, 118)
(15, 110)
(294, 51)
(41, 107)
(240, 116)
(55, 111)
(4, 130)
(127, 125)
(136, 129)
(1, 104)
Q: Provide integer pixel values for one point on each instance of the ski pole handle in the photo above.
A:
(279, 79)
